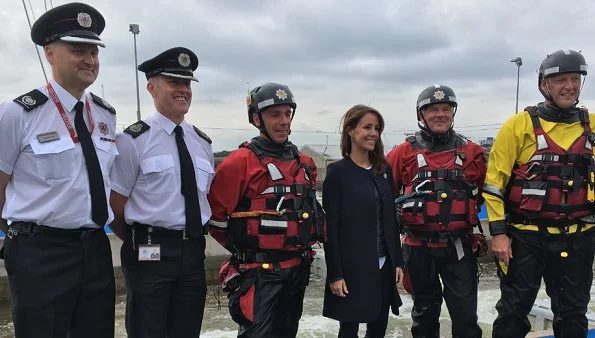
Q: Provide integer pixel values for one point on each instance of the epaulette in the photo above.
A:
(31, 100)
(103, 104)
(136, 129)
(202, 135)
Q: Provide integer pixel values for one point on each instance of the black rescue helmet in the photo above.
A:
(268, 95)
(436, 94)
(561, 61)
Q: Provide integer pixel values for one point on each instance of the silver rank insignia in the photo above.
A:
(84, 20)
(28, 100)
(135, 128)
(184, 60)
(281, 94)
(103, 128)
(439, 95)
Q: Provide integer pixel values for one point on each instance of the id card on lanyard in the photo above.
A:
(64, 117)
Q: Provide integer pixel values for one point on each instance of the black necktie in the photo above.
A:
(98, 200)
(189, 189)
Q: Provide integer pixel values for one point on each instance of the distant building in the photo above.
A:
(322, 155)
(488, 142)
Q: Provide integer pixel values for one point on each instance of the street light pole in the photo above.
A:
(135, 30)
(519, 63)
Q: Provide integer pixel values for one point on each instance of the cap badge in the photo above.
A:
(103, 128)
(135, 128)
(281, 94)
(184, 60)
(439, 95)
(84, 20)
(28, 100)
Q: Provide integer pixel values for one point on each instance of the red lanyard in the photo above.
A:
(64, 117)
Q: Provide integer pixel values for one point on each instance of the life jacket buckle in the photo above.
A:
(419, 186)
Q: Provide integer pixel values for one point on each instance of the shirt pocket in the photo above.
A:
(158, 174)
(204, 174)
(55, 159)
(106, 153)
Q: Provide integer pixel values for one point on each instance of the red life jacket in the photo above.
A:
(293, 219)
(551, 189)
(450, 202)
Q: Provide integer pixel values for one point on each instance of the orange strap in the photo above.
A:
(244, 214)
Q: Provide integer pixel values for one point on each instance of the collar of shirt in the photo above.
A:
(68, 101)
(168, 125)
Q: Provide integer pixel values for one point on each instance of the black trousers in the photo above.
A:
(61, 284)
(376, 328)
(164, 298)
(269, 302)
(459, 277)
(567, 281)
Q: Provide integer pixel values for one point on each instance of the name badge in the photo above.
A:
(149, 253)
(48, 137)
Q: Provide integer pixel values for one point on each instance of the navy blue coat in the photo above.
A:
(349, 199)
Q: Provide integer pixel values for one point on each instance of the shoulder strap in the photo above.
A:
(31, 100)
(137, 129)
(103, 104)
(202, 135)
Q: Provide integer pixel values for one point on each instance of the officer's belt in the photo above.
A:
(568, 229)
(159, 232)
(33, 229)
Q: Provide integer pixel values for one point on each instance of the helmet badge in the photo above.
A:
(281, 94)
(438, 95)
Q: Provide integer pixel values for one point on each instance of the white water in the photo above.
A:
(218, 324)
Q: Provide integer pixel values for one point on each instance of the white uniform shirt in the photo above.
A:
(49, 183)
(148, 173)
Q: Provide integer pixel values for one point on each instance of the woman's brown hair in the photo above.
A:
(350, 120)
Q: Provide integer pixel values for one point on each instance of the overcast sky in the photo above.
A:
(331, 54)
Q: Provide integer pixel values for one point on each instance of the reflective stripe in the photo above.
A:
(271, 223)
(423, 102)
(552, 70)
(588, 145)
(539, 158)
(274, 172)
(271, 190)
(408, 204)
(265, 103)
(458, 160)
(493, 190)
(541, 142)
(306, 176)
(584, 67)
(217, 223)
(421, 161)
(534, 192)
